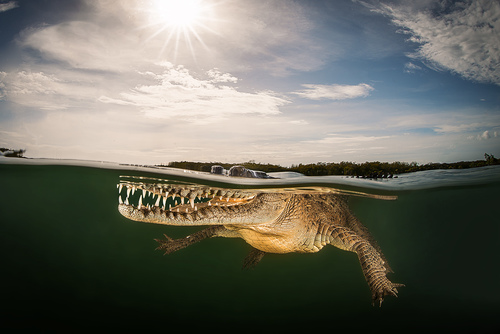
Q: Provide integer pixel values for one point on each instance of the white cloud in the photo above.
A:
(336, 139)
(458, 128)
(334, 92)
(411, 67)
(485, 135)
(25, 83)
(217, 76)
(299, 122)
(52, 89)
(164, 92)
(464, 38)
(177, 93)
(34, 89)
(88, 45)
(3, 75)
(454, 121)
(8, 6)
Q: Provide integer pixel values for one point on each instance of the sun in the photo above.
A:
(178, 13)
(177, 20)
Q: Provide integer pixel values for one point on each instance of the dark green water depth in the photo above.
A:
(71, 262)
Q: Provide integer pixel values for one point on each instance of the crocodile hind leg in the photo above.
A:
(375, 273)
(253, 258)
(372, 262)
(170, 245)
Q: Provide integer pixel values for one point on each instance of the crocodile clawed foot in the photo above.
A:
(168, 244)
(388, 289)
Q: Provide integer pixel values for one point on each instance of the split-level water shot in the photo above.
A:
(249, 166)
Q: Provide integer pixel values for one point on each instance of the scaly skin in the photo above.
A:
(270, 221)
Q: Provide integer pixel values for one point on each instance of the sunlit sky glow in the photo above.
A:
(278, 81)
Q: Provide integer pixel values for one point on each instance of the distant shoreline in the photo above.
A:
(372, 170)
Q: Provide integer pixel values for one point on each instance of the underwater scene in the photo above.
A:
(72, 262)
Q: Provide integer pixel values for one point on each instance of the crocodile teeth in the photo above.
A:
(156, 197)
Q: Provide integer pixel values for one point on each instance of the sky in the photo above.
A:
(275, 81)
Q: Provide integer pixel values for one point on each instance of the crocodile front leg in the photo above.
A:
(372, 263)
(170, 245)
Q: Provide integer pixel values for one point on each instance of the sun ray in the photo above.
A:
(195, 34)
(190, 44)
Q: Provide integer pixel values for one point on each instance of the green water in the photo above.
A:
(71, 262)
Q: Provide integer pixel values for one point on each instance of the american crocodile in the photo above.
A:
(271, 221)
